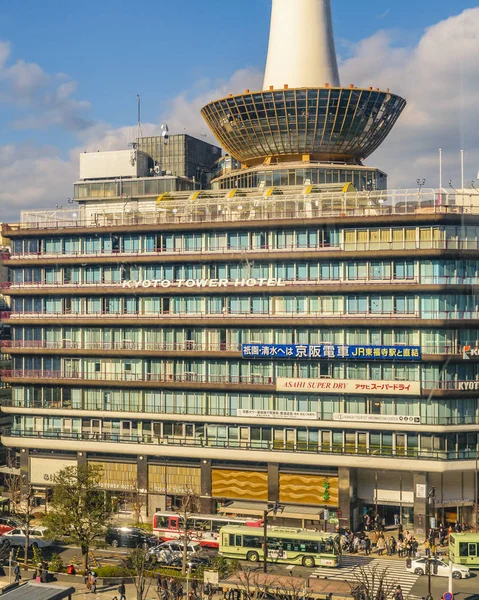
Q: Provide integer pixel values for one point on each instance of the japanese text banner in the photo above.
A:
(325, 351)
(349, 386)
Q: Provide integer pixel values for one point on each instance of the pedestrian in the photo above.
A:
(93, 582)
(393, 544)
(122, 590)
(367, 546)
(398, 595)
(381, 546)
(17, 573)
(400, 548)
(396, 520)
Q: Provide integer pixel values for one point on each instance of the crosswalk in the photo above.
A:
(396, 571)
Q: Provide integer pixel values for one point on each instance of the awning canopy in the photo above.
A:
(291, 511)
(39, 591)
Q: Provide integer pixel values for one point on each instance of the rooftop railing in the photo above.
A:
(258, 205)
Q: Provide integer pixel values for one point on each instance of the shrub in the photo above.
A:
(56, 563)
(112, 571)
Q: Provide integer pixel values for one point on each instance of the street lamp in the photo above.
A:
(272, 508)
(428, 572)
(188, 573)
(475, 490)
(431, 497)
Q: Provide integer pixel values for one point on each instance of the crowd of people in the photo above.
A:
(405, 545)
(374, 538)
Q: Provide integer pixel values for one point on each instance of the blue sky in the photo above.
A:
(70, 72)
(115, 49)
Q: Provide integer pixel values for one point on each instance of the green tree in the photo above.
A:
(79, 511)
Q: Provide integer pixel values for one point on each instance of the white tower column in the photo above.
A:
(301, 49)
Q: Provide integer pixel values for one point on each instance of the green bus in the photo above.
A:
(285, 545)
(464, 549)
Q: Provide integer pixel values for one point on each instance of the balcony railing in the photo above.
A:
(186, 346)
(370, 281)
(289, 248)
(273, 446)
(144, 408)
(137, 377)
(105, 375)
(200, 316)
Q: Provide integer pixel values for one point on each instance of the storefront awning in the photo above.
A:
(292, 511)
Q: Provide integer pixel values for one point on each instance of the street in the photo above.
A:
(413, 586)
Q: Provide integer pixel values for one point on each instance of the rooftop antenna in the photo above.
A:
(140, 133)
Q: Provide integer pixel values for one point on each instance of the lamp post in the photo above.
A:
(432, 510)
(475, 491)
(272, 508)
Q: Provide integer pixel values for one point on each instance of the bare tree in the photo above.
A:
(189, 505)
(136, 497)
(21, 502)
(372, 583)
(290, 588)
(137, 564)
(253, 584)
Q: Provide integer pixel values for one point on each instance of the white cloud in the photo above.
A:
(183, 114)
(439, 79)
(39, 99)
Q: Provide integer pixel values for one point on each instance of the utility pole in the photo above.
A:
(272, 508)
(475, 491)
(265, 541)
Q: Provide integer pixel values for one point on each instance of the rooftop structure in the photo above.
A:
(302, 113)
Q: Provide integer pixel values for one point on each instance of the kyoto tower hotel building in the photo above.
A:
(294, 334)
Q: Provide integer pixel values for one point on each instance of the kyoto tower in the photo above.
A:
(303, 115)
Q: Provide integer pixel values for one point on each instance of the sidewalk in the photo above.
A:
(110, 591)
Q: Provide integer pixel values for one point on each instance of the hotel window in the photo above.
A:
(238, 241)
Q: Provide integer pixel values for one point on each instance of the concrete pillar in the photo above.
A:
(24, 469)
(81, 459)
(142, 481)
(273, 482)
(420, 505)
(347, 496)
(206, 501)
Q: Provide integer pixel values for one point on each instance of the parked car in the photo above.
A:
(8, 523)
(170, 553)
(130, 537)
(16, 537)
(439, 568)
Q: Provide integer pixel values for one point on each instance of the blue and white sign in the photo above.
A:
(324, 351)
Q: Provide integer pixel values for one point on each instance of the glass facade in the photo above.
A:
(182, 155)
(134, 335)
(326, 123)
(297, 175)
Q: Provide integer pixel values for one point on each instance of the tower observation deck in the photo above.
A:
(303, 114)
